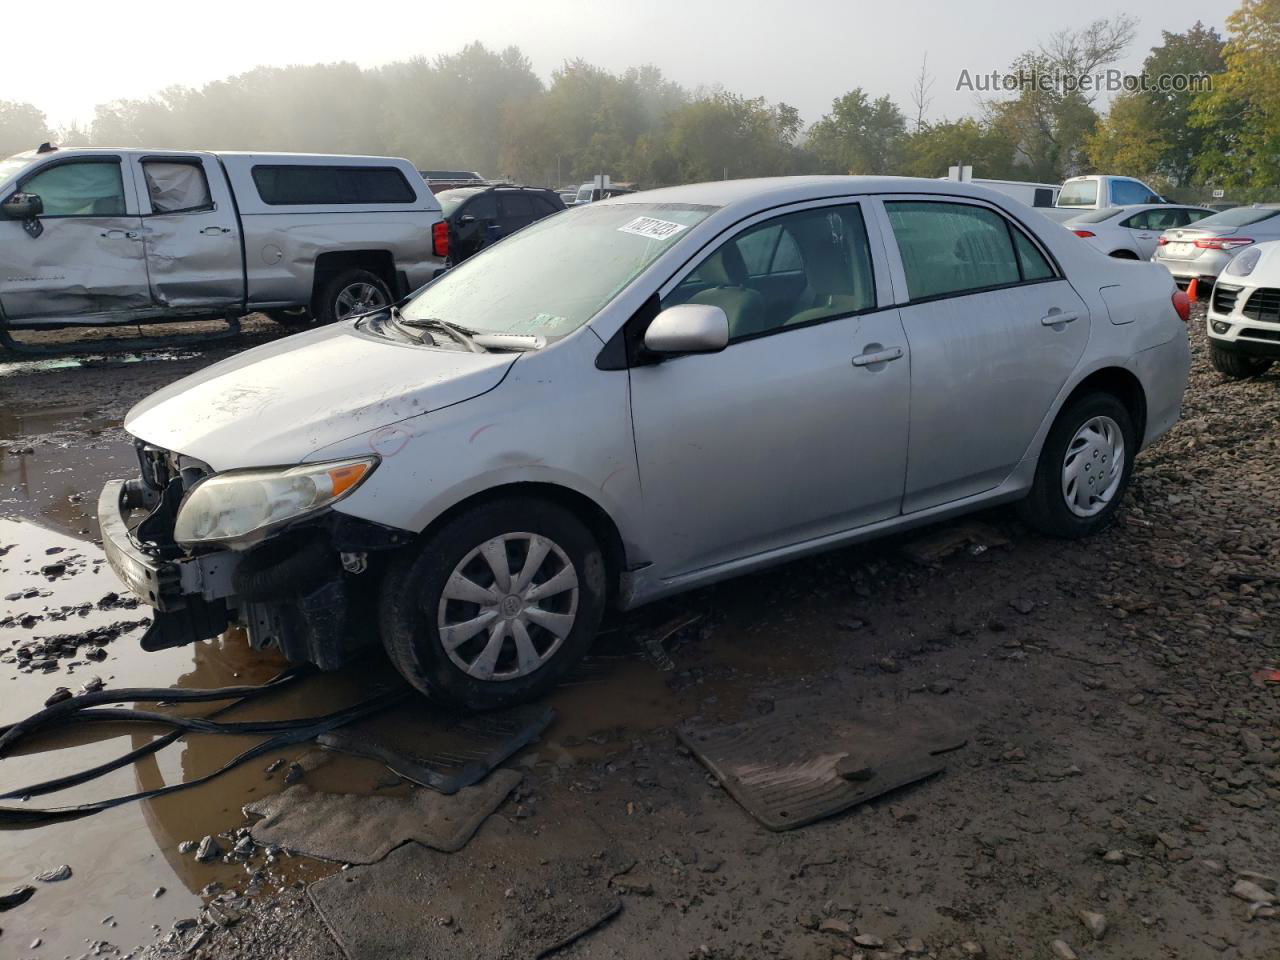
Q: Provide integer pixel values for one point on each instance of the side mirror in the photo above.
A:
(25, 207)
(688, 328)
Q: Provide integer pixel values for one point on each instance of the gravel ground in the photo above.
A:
(1117, 796)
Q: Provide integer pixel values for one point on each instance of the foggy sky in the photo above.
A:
(803, 52)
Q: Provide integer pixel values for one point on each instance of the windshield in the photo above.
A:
(554, 275)
(1078, 193)
(1239, 217)
(12, 165)
(1097, 216)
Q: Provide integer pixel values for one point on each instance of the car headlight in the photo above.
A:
(229, 507)
(1242, 264)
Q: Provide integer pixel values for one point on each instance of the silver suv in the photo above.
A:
(637, 397)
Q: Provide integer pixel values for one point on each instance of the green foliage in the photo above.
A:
(859, 136)
(1240, 118)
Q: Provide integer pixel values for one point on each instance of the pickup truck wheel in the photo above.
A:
(1237, 366)
(497, 606)
(1084, 468)
(350, 292)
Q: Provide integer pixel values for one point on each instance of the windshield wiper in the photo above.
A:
(461, 334)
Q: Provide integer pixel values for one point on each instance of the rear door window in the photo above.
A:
(952, 248)
(517, 210)
(176, 186)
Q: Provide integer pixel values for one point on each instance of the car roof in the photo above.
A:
(764, 192)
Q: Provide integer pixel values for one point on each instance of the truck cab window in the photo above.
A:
(85, 189)
(176, 187)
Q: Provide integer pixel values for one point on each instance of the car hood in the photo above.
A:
(278, 403)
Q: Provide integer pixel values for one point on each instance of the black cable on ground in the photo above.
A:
(76, 710)
(155, 746)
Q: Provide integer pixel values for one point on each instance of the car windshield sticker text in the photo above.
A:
(652, 228)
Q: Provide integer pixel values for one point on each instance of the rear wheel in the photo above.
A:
(1084, 468)
(1237, 366)
(497, 606)
(350, 292)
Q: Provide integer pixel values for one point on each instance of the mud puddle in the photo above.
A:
(73, 617)
(54, 459)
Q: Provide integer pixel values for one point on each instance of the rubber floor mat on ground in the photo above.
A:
(520, 891)
(805, 761)
(445, 752)
(355, 828)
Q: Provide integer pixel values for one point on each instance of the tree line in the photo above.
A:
(489, 111)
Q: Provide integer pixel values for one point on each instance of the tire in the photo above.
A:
(413, 605)
(349, 292)
(1235, 365)
(1047, 508)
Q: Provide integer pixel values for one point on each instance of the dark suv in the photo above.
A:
(478, 216)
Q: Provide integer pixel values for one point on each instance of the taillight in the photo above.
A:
(1182, 304)
(1162, 241)
(1084, 233)
(1223, 243)
(440, 239)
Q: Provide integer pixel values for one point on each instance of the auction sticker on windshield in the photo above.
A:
(653, 228)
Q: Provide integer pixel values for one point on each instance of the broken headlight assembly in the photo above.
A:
(238, 508)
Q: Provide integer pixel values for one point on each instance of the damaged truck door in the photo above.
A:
(191, 233)
(88, 261)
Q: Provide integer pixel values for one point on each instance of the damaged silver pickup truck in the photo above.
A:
(97, 237)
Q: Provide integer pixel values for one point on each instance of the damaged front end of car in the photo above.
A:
(260, 548)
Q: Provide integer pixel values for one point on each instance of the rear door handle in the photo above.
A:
(119, 235)
(1056, 316)
(879, 356)
(215, 231)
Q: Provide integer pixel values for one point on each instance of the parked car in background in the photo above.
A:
(1096, 192)
(635, 398)
(590, 193)
(1032, 194)
(1243, 321)
(479, 216)
(1132, 233)
(1201, 251)
(93, 237)
(438, 180)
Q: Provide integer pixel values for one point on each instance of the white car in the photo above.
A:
(1244, 313)
(1132, 233)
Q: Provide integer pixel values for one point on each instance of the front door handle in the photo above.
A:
(1055, 317)
(880, 355)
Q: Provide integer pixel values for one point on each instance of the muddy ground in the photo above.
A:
(1120, 778)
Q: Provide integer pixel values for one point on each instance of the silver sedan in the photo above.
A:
(1202, 250)
(634, 398)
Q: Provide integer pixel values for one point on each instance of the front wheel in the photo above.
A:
(1235, 365)
(348, 293)
(497, 606)
(1084, 468)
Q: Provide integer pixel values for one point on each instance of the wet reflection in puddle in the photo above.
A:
(121, 856)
